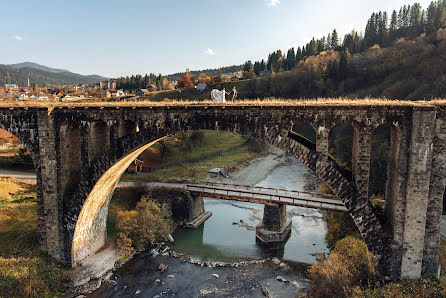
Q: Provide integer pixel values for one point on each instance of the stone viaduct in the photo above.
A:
(80, 153)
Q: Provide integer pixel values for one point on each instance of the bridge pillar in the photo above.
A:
(435, 203)
(417, 193)
(322, 140)
(275, 226)
(49, 205)
(362, 146)
(196, 214)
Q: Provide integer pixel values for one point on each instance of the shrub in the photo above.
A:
(350, 267)
(139, 228)
(256, 146)
(339, 226)
(197, 137)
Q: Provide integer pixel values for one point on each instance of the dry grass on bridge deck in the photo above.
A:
(258, 102)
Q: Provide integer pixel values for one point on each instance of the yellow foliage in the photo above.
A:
(349, 266)
(139, 228)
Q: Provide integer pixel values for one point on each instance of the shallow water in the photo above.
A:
(218, 239)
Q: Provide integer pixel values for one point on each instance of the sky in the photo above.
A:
(115, 38)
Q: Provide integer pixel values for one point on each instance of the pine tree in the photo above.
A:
(257, 68)
(262, 65)
(290, 59)
(299, 55)
(334, 40)
(248, 66)
(328, 45)
(343, 64)
(394, 21)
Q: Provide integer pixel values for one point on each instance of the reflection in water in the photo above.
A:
(218, 239)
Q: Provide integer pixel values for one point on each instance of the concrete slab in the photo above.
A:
(198, 221)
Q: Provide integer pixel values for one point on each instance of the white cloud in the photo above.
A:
(272, 3)
(209, 52)
(16, 37)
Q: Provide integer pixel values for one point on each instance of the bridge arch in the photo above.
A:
(70, 157)
(99, 139)
(340, 143)
(126, 128)
(90, 227)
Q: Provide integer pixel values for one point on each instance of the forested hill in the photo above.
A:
(411, 69)
(20, 76)
(209, 72)
(401, 55)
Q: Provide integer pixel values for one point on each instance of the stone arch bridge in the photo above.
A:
(80, 152)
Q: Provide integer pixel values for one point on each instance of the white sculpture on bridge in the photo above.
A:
(218, 96)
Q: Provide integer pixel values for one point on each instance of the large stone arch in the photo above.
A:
(89, 232)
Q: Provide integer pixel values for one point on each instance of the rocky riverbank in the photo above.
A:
(192, 277)
(167, 273)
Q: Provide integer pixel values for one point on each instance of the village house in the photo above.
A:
(116, 93)
(104, 94)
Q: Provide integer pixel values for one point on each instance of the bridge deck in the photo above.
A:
(262, 195)
(253, 194)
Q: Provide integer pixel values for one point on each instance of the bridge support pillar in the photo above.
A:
(276, 226)
(196, 213)
(361, 151)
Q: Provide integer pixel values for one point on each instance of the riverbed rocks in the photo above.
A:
(163, 268)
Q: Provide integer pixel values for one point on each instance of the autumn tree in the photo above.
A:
(139, 228)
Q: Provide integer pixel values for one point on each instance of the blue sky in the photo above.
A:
(114, 38)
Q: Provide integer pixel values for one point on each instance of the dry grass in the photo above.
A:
(25, 271)
(257, 102)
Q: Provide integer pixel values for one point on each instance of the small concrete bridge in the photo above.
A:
(275, 226)
(264, 195)
(251, 194)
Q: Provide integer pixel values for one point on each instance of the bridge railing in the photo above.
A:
(251, 187)
(262, 197)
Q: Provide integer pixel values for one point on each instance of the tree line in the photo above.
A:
(409, 22)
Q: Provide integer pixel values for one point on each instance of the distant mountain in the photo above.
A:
(36, 66)
(42, 75)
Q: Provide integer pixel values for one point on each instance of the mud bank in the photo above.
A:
(257, 171)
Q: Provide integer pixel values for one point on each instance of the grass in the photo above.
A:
(255, 102)
(213, 141)
(25, 271)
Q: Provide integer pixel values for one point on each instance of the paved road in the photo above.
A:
(26, 176)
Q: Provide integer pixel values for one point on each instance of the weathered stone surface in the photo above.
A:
(74, 148)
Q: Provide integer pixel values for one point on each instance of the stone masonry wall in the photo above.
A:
(412, 192)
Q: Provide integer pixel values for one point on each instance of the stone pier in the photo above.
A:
(276, 226)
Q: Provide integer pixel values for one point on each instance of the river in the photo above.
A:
(219, 239)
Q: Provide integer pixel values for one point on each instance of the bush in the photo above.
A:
(339, 226)
(197, 137)
(349, 268)
(256, 146)
(139, 228)
(23, 156)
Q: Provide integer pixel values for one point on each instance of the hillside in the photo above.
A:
(408, 70)
(42, 75)
(36, 66)
(209, 72)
